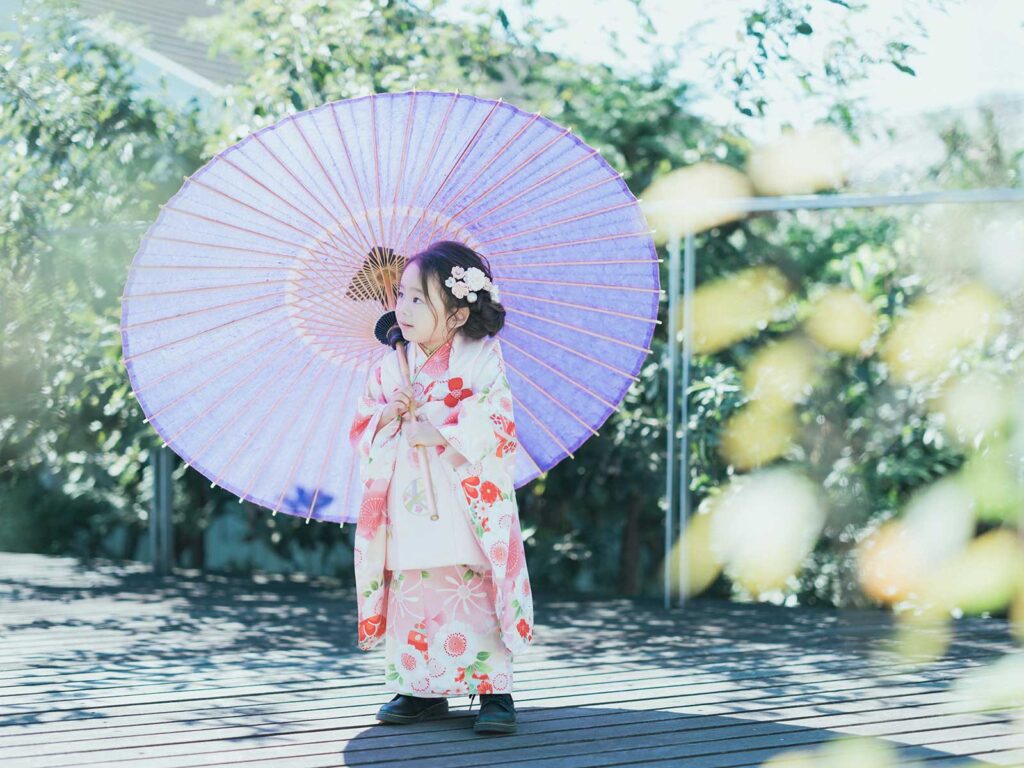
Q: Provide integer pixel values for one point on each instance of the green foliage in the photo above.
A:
(89, 152)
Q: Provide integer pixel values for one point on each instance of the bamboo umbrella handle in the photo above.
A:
(424, 466)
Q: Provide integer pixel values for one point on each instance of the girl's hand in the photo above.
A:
(423, 433)
(401, 402)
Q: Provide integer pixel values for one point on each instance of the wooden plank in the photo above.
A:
(191, 670)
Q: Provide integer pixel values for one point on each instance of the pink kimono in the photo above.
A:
(474, 413)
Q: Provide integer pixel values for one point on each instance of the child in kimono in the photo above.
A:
(449, 596)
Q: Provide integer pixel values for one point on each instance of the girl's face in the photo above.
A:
(413, 309)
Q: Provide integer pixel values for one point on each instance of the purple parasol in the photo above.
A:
(248, 315)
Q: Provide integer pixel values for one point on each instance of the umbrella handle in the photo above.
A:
(424, 467)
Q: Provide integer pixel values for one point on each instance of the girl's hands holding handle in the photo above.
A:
(401, 403)
(397, 407)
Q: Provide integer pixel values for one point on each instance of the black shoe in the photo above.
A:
(497, 714)
(410, 709)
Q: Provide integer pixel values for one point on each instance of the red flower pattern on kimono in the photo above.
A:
(456, 392)
(476, 419)
(489, 492)
(372, 628)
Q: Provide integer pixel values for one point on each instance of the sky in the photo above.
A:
(974, 48)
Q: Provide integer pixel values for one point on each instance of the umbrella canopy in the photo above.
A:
(248, 315)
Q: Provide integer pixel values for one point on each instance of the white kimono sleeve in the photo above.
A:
(483, 418)
(363, 435)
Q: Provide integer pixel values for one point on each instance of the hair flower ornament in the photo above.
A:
(475, 280)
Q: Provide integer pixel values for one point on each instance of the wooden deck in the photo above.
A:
(109, 665)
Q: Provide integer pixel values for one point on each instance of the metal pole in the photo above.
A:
(684, 451)
(670, 408)
(161, 547)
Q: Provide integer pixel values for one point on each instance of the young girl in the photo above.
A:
(450, 596)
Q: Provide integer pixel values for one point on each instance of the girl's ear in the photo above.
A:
(461, 316)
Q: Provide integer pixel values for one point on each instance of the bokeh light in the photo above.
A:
(925, 341)
(763, 525)
(735, 307)
(694, 199)
(841, 320)
(800, 163)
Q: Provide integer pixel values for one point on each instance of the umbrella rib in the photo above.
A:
(200, 384)
(239, 449)
(574, 305)
(539, 182)
(300, 452)
(584, 241)
(586, 331)
(334, 429)
(541, 424)
(584, 263)
(226, 323)
(562, 375)
(466, 149)
(206, 266)
(306, 189)
(205, 331)
(607, 286)
(355, 181)
(576, 191)
(253, 208)
(392, 234)
(323, 170)
(376, 164)
(511, 173)
(352, 479)
(341, 229)
(234, 419)
(433, 234)
(556, 223)
(429, 159)
(330, 330)
(520, 446)
(314, 298)
(225, 247)
(249, 231)
(280, 353)
(202, 310)
(322, 250)
(609, 366)
(302, 271)
(190, 363)
(273, 444)
(364, 355)
(552, 398)
(197, 289)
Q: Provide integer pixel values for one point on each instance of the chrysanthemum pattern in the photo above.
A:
(443, 647)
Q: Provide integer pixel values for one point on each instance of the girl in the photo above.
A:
(450, 596)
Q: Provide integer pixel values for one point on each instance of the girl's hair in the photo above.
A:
(486, 316)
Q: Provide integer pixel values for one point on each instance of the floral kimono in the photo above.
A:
(472, 409)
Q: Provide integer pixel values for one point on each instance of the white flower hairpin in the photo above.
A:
(475, 280)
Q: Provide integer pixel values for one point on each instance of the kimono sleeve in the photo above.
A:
(369, 408)
(482, 424)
